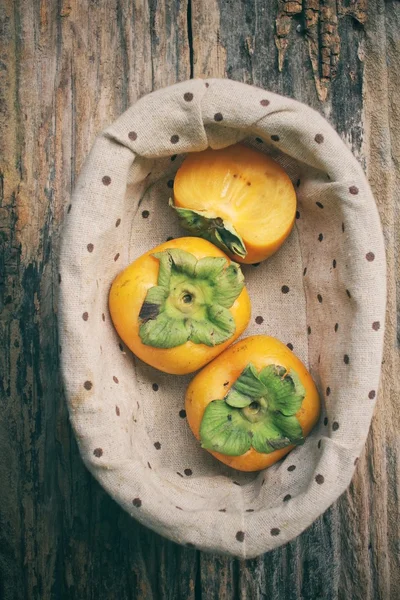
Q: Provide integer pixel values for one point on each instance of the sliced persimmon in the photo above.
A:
(238, 198)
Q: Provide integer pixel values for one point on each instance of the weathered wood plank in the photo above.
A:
(66, 70)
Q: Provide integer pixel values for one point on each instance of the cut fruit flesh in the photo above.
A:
(242, 186)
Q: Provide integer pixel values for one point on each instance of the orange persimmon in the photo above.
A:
(180, 305)
(252, 404)
(238, 198)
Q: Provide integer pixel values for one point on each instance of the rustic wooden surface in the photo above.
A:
(67, 69)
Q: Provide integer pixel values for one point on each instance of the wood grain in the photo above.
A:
(67, 69)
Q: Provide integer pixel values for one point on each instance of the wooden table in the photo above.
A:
(68, 68)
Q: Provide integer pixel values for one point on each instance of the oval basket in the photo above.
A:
(323, 293)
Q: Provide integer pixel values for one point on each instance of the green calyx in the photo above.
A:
(191, 301)
(212, 228)
(259, 412)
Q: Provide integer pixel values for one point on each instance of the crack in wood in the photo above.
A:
(321, 29)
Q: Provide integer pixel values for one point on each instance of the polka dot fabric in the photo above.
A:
(322, 294)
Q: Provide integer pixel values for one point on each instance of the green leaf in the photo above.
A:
(223, 323)
(182, 261)
(248, 383)
(164, 332)
(229, 285)
(201, 332)
(236, 399)
(156, 295)
(224, 430)
(211, 227)
(285, 392)
(210, 268)
(289, 427)
(164, 269)
(267, 437)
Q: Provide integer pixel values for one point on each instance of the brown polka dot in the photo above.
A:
(372, 394)
(259, 140)
(328, 391)
(178, 507)
(343, 227)
(137, 502)
(259, 320)
(320, 237)
(90, 247)
(336, 326)
(305, 271)
(353, 190)
(85, 316)
(285, 289)
(287, 498)
(275, 138)
(116, 257)
(291, 468)
(290, 346)
(334, 264)
(173, 157)
(174, 139)
(275, 531)
(207, 84)
(157, 445)
(319, 204)
(69, 208)
(319, 298)
(132, 135)
(218, 117)
(222, 510)
(346, 359)
(264, 102)
(88, 385)
(98, 452)
(320, 479)
(370, 256)
(319, 138)
(376, 325)
(319, 443)
(106, 180)
(155, 387)
(188, 472)
(188, 97)
(249, 509)
(335, 426)
(240, 536)
(326, 421)
(182, 413)
(103, 316)
(149, 465)
(117, 222)
(309, 330)
(115, 379)
(170, 184)
(348, 293)
(117, 411)
(145, 214)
